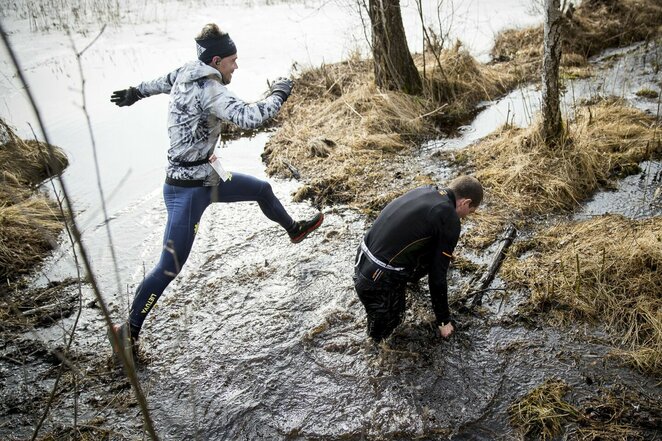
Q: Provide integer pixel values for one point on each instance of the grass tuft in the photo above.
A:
(542, 413)
(29, 221)
(614, 414)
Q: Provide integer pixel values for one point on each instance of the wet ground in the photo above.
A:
(261, 339)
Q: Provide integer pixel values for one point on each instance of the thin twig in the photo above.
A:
(63, 357)
(95, 155)
(129, 370)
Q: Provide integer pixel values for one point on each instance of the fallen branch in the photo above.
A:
(487, 278)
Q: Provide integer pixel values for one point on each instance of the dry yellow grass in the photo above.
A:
(605, 140)
(29, 221)
(542, 413)
(525, 178)
(604, 271)
(28, 229)
(27, 163)
(352, 142)
(455, 79)
(616, 413)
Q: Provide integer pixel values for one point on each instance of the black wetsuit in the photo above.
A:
(413, 236)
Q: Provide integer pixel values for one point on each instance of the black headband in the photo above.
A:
(209, 48)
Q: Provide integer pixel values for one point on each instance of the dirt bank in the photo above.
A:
(30, 222)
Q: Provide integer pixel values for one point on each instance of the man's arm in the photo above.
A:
(442, 254)
(227, 106)
(160, 85)
(130, 96)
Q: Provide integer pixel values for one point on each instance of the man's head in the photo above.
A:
(468, 194)
(217, 49)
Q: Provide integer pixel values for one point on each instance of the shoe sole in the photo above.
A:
(312, 228)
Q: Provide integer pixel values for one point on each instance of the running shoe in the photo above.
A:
(304, 228)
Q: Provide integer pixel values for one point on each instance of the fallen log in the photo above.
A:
(487, 278)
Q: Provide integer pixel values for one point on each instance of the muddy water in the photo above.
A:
(262, 339)
(265, 340)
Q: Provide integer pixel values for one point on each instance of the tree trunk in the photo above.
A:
(552, 127)
(394, 66)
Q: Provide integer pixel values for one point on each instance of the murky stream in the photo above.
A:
(261, 339)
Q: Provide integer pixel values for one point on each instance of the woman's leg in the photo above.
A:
(185, 208)
(248, 188)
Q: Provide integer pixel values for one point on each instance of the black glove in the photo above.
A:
(126, 97)
(281, 87)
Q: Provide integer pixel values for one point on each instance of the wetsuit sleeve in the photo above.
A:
(159, 85)
(226, 106)
(446, 241)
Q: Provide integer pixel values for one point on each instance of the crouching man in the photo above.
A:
(413, 236)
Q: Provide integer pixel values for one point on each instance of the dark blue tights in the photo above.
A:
(185, 207)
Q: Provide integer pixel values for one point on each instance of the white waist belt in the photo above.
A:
(376, 261)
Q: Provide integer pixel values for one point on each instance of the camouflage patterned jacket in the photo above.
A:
(198, 103)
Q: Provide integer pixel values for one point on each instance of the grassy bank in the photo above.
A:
(605, 271)
(590, 29)
(606, 140)
(29, 221)
(351, 143)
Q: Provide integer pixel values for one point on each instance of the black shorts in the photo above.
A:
(382, 293)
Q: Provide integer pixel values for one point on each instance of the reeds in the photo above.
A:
(47, 15)
(29, 221)
(605, 271)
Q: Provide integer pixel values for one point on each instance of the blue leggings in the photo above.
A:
(185, 206)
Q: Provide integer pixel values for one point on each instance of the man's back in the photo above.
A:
(411, 226)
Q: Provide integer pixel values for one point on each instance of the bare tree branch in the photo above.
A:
(129, 370)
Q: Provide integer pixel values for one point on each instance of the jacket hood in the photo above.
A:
(196, 70)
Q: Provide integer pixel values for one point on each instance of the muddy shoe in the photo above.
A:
(127, 344)
(304, 228)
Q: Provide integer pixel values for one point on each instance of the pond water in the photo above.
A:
(258, 338)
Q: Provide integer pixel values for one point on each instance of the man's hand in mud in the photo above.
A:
(446, 330)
